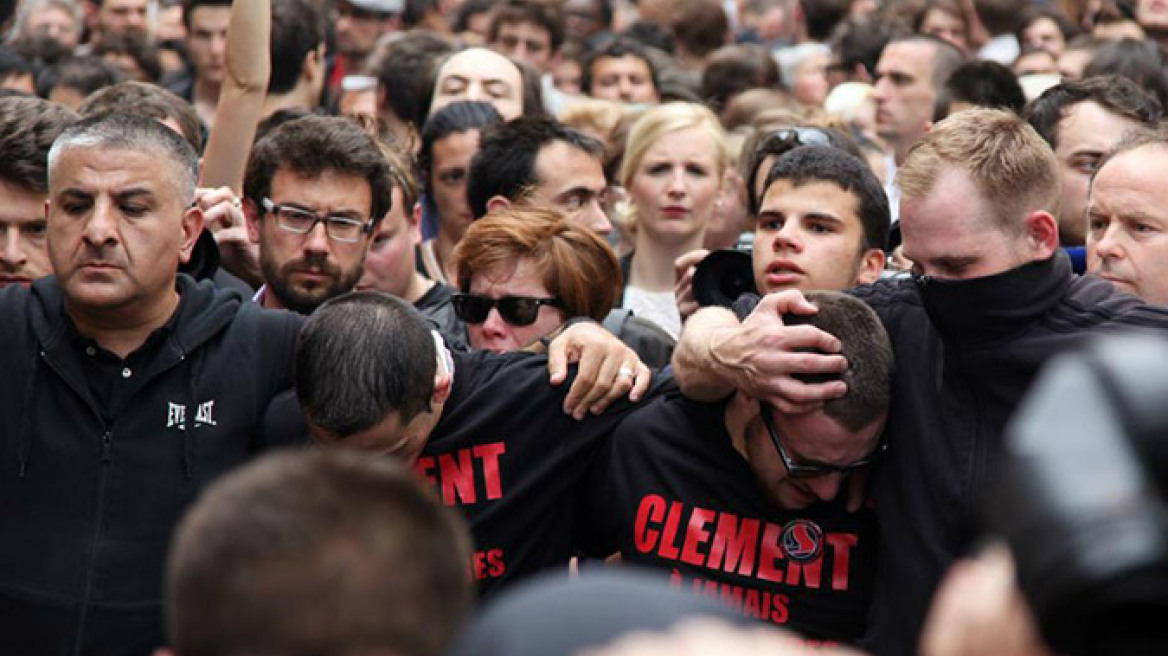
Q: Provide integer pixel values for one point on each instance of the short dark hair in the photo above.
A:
(1034, 14)
(13, 63)
(297, 29)
(1117, 95)
(505, 162)
(313, 145)
(650, 34)
(135, 46)
(807, 164)
(361, 356)
(28, 127)
(189, 7)
(547, 15)
(317, 552)
(764, 144)
(860, 41)
(981, 83)
(616, 47)
(457, 117)
(946, 57)
(83, 74)
(467, 10)
(402, 66)
(699, 26)
(149, 100)
(822, 16)
(1142, 62)
(132, 132)
(866, 347)
(732, 69)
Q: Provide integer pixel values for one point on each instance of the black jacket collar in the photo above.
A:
(988, 308)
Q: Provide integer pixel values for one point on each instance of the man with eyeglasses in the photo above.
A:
(315, 189)
(750, 505)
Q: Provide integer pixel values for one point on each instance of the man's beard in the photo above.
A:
(305, 301)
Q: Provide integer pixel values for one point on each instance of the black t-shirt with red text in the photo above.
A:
(673, 493)
(505, 453)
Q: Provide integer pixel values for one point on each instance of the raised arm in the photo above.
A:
(241, 97)
(760, 357)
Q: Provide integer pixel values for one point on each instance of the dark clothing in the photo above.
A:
(508, 456)
(100, 455)
(434, 297)
(674, 494)
(966, 351)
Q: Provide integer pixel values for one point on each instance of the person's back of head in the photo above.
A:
(15, 71)
(980, 83)
(1142, 62)
(1000, 16)
(733, 69)
(1117, 95)
(137, 57)
(823, 163)
(820, 17)
(868, 350)
(317, 552)
(505, 164)
(297, 35)
(700, 27)
(1013, 169)
(572, 262)
(150, 101)
(72, 81)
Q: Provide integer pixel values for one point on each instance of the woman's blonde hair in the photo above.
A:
(659, 122)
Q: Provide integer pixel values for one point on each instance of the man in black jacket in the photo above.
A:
(991, 300)
(126, 388)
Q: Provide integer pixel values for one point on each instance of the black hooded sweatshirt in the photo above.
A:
(89, 495)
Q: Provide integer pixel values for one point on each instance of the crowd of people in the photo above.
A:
(425, 327)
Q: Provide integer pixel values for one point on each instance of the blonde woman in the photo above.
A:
(672, 171)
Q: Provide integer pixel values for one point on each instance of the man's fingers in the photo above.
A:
(790, 301)
(815, 363)
(586, 378)
(796, 393)
(642, 379)
(806, 336)
(684, 264)
(624, 382)
(558, 364)
(608, 382)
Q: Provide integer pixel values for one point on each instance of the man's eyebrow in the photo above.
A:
(822, 215)
(133, 192)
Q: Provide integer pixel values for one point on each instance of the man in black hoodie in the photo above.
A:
(126, 387)
(991, 299)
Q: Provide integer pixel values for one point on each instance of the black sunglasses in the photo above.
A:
(811, 470)
(515, 310)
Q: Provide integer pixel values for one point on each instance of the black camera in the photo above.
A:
(725, 275)
(1082, 504)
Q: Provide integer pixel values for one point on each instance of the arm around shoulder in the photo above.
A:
(699, 366)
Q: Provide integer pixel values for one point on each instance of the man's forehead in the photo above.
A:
(907, 58)
(555, 156)
(113, 164)
(1140, 167)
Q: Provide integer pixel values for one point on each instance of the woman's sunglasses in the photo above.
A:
(515, 310)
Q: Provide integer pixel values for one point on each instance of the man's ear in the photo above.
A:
(192, 227)
(871, 264)
(414, 223)
(251, 216)
(498, 204)
(1041, 233)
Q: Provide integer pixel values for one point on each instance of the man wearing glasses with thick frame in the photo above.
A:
(314, 170)
(753, 505)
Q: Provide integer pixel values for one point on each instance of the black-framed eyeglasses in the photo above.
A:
(298, 220)
(515, 310)
(813, 469)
